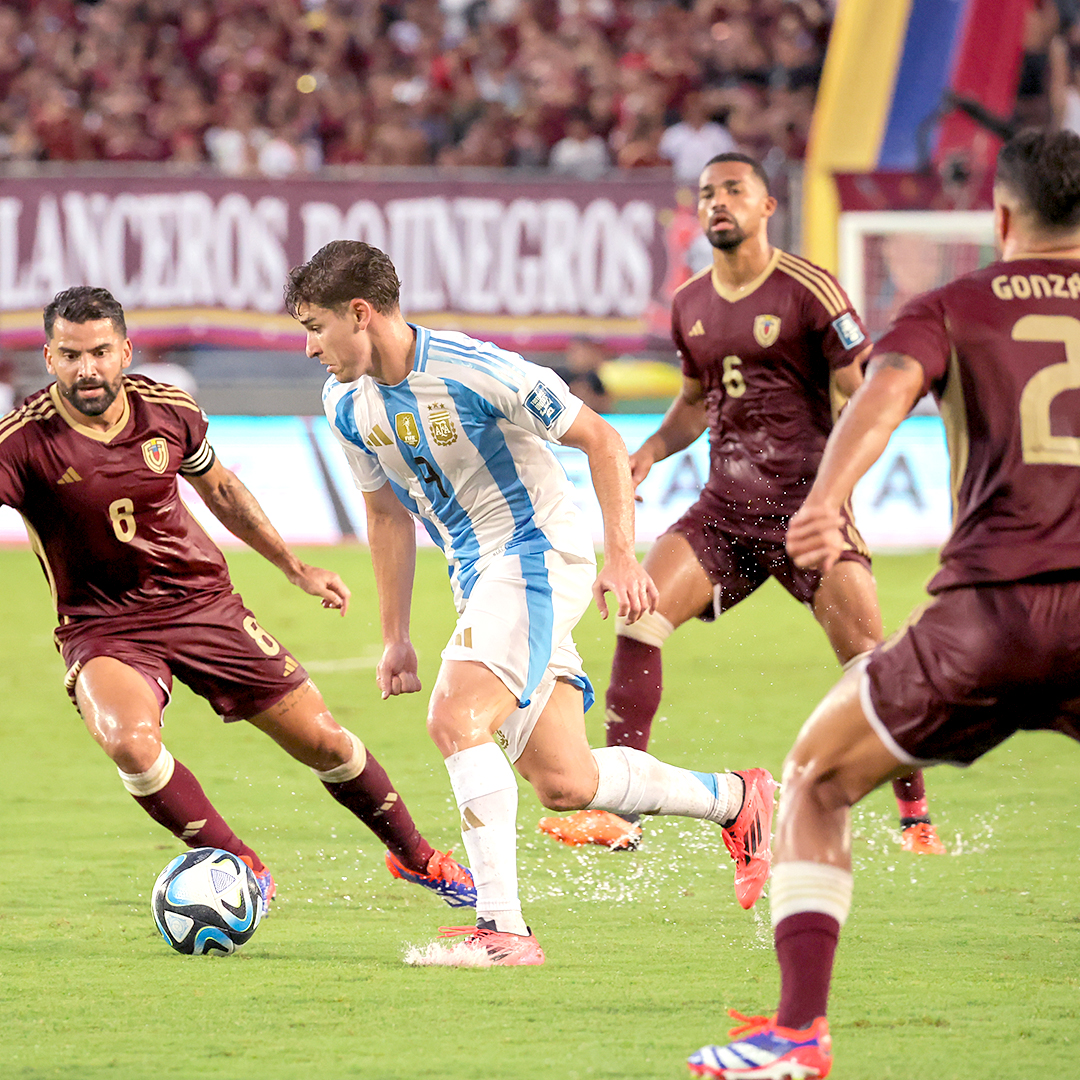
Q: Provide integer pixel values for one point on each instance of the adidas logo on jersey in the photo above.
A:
(70, 477)
(378, 437)
(697, 330)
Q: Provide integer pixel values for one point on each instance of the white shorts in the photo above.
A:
(517, 620)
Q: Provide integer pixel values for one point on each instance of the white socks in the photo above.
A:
(634, 782)
(485, 788)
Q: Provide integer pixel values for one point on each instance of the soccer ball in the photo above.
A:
(206, 901)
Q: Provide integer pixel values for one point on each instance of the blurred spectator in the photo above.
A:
(350, 147)
(235, 142)
(580, 371)
(1064, 80)
(397, 140)
(580, 152)
(642, 149)
(694, 140)
(7, 385)
(1042, 21)
(279, 86)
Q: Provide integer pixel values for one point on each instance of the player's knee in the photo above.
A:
(562, 792)
(812, 784)
(142, 778)
(439, 729)
(131, 751)
(451, 732)
(341, 761)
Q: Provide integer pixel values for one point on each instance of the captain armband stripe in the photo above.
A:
(200, 462)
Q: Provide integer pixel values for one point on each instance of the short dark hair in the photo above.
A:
(82, 304)
(1042, 169)
(342, 271)
(746, 159)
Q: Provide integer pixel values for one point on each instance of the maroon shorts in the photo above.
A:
(738, 564)
(214, 646)
(973, 667)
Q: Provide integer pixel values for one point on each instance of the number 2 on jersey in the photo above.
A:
(1038, 445)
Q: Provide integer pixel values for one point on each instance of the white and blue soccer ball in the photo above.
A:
(206, 901)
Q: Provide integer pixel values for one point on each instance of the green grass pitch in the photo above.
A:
(958, 967)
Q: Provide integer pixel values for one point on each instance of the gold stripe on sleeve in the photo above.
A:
(28, 414)
(954, 417)
(38, 549)
(825, 280)
(826, 301)
(164, 395)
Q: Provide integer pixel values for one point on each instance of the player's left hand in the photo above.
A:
(814, 537)
(633, 589)
(325, 583)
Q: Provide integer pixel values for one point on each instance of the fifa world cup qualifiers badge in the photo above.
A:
(847, 330)
(544, 405)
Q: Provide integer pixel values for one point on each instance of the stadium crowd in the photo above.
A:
(278, 87)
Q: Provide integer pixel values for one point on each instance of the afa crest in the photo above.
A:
(155, 453)
(766, 330)
(441, 425)
(407, 430)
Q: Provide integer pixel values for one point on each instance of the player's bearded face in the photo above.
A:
(732, 204)
(88, 361)
(725, 233)
(91, 396)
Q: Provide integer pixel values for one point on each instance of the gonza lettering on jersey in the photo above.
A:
(544, 405)
(1026, 286)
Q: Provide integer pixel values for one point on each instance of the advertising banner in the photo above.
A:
(298, 473)
(524, 262)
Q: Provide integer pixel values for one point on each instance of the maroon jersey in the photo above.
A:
(763, 356)
(1001, 352)
(103, 509)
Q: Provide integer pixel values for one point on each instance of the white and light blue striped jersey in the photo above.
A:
(463, 441)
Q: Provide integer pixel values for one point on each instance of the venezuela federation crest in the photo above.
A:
(155, 453)
(766, 330)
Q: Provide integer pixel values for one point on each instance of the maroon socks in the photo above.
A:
(183, 808)
(633, 695)
(372, 798)
(805, 946)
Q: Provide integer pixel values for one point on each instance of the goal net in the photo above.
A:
(889, 256)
